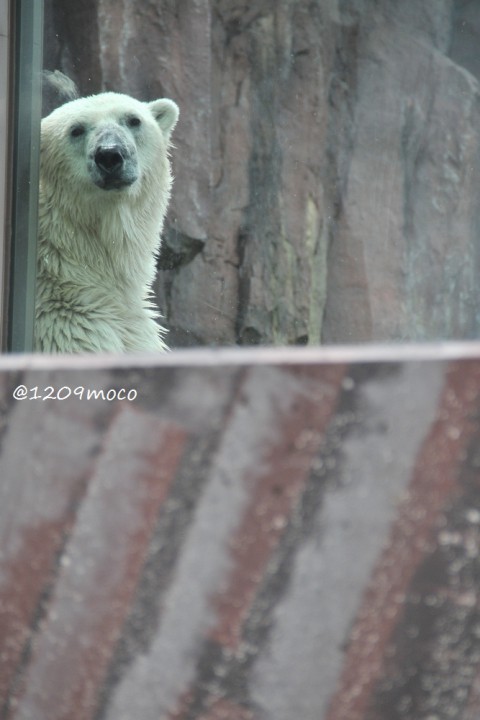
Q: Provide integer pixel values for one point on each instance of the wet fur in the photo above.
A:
(97, 247)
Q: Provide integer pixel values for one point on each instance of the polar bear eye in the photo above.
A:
(77, 130)
(133, 121)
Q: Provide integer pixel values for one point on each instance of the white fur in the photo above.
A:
(97, 247)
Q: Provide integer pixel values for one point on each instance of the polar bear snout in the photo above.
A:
(114, 162)
(109, 159)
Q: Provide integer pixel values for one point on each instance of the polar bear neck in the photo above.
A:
(117, 239)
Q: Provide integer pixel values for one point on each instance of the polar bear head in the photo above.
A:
(106, 144)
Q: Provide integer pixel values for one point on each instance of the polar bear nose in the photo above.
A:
(109, 158)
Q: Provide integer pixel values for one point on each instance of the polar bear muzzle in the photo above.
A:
(114, 163)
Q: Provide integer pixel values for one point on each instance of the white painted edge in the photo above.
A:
(242, 356)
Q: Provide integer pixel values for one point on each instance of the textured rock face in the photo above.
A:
(326, 161)
(403, 261)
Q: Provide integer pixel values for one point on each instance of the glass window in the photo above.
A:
(326, 162)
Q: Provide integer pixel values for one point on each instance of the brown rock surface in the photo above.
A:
(326, 160)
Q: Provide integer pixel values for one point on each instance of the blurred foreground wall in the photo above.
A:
(250, 538)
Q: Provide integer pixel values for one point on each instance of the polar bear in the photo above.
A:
(105, 183)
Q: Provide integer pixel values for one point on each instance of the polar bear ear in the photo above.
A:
(57, 90)
(165, 113)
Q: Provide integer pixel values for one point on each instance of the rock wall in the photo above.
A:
(326, 161)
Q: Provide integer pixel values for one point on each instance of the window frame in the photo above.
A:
(21, 79)
(5, 160)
